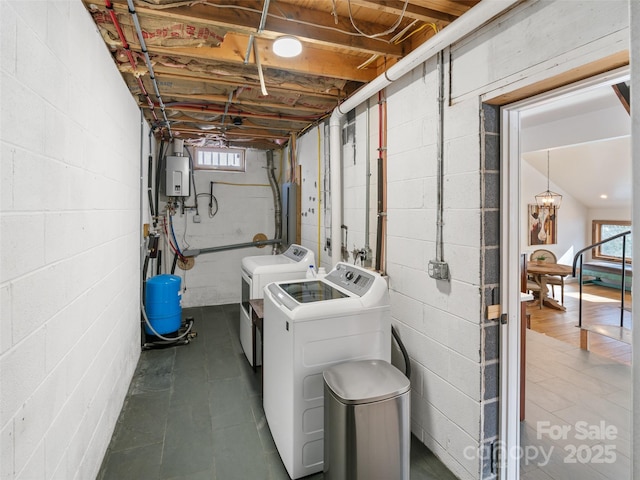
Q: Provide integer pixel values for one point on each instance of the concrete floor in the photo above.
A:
(195, 412)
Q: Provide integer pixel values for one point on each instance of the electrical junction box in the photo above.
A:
(438, 270)
(177, 175)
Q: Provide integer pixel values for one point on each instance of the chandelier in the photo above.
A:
(548, 198)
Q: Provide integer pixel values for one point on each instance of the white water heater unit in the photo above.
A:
(177, 174)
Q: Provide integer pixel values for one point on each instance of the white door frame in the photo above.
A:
(509, 444)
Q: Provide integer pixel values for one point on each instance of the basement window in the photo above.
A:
(224, 159)
(611, 251)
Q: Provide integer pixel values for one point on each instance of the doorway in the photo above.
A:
(570, 438)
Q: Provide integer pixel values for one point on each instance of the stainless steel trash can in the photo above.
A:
(366, 422)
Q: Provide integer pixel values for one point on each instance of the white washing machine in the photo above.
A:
(310, 325)
(257, 272)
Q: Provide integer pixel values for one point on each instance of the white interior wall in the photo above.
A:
(245, 208)
(573, 224)
(70, 256)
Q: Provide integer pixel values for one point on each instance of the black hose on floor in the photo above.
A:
(405, 355)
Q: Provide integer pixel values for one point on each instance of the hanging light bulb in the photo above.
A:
(548, 198)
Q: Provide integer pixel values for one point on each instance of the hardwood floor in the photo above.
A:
(601, 305)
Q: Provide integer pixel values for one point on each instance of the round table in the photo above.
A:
(541, 270)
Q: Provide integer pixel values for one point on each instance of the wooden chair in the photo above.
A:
(527, 285)
(552, 280)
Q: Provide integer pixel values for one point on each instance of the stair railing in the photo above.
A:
(580, 255)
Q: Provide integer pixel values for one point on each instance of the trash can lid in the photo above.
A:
(365, 381)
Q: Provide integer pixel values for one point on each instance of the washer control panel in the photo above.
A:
(296, 252)
(357, 280)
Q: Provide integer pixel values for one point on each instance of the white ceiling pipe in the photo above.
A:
(473, 19)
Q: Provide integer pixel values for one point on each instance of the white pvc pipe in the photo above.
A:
(473, 19)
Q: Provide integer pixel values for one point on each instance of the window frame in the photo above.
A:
(596, 236)
(220, 168)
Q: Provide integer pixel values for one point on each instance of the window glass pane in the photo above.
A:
(228, 159)
(614, 247)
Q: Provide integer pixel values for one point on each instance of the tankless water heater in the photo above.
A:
(177, 176)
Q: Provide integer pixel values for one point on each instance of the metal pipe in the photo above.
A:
(367, 193)
(380, 218)
(263, 20)
(580, 293)
(247, 55)
(200, 251)
(622, 290)
(473, 19)
(382, 122)
(150, 178)
(143, 46)
(277, 202)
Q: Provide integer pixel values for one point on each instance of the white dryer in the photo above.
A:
(310, 325)
(257, 272)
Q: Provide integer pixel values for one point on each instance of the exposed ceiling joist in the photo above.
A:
(197, 52)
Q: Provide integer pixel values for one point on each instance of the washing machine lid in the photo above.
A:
(365, 381)
(311, 291)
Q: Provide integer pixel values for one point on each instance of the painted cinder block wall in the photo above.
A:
(453, 347)
(313, 158)
(70, 242)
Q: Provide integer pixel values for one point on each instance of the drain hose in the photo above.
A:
(407, 362)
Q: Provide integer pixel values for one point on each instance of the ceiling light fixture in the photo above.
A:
(287, 46)
(548, 198)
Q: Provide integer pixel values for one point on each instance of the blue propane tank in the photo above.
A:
(162, 304)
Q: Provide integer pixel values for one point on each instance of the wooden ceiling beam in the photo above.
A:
(312, 61)
(413, 11)
(233, 113)
(455, 8)
(309, 25)
(623, 92)
(232, 133)
(223, 99)
(163, 73)
(247, 123)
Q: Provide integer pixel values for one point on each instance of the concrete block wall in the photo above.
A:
(245, 208)
(354, 173)
(70, 242)
(356, 153)
(313, 159)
